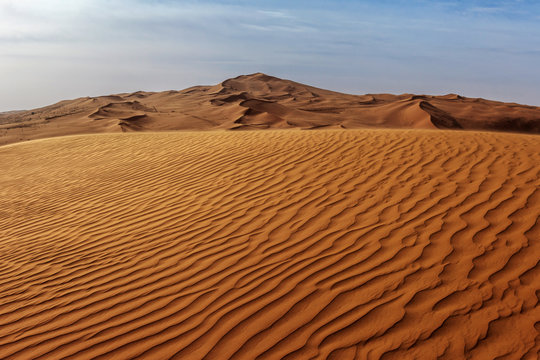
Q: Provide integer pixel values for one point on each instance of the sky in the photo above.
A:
(54, 50)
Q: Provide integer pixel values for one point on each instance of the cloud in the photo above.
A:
(486, 10)
(276, 14)
(113, 46)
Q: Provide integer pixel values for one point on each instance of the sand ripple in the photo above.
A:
(368, 244)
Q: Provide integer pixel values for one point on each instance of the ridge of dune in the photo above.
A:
(337, 244)
(260, 101)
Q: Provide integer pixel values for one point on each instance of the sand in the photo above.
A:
(340, 244)
(259, 101)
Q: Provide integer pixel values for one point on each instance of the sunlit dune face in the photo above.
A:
(279, 244)
(262, 102)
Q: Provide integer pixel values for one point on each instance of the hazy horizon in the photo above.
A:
(54, 51)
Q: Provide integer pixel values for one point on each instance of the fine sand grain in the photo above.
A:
(357, 244)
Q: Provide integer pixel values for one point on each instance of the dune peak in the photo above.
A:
(265, 102)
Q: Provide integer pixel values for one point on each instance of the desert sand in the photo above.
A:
(340, 244)
(260, 101)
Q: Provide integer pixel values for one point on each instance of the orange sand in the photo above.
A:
(358, 244)
(259, 101)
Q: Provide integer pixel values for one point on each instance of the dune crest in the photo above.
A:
(260, 101)
(338, 244)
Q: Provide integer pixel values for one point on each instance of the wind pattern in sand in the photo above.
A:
(360, 244)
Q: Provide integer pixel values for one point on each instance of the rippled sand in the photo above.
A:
(366, 244)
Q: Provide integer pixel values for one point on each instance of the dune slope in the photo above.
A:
(360, 244)
(260, 101)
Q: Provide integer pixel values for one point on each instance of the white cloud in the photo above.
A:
(59, 49)
(276, 14)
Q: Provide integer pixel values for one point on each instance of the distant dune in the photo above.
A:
(338, 244)
(259, 101)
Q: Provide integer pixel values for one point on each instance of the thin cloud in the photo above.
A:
(276, 14)
(93, 47)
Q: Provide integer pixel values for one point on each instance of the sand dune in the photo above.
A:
(339, 244)
(259, 101)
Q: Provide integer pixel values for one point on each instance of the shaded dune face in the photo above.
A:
(358, 244)
(259, 101)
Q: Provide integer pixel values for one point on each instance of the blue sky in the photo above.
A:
(53, 50)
